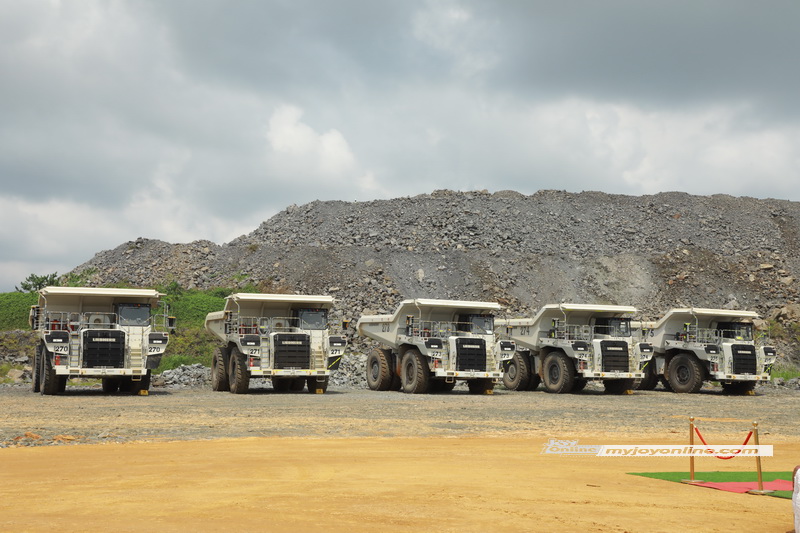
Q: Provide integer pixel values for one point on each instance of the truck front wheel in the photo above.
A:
(379, 373)
(314, 385)
(35, 385)
(517, 375)
(219, 372)
(559, 373)
(49, 380)
(415, 375)
(650, 379)
(685, 374)
(238, 375)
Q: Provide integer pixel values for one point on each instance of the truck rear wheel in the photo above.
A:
(415, 374)
(297, 384)
(579, 385)
(480, 385)
(379, 373)
(534, 382)
(314, 384)
(618, 386)
(281, 384)
(559, 373)
(219, 372)
(517, 375)
(35, 385)
(238, 375)
(49, 380)
(650, 379)
(110, 385)
(685, 374)
(738, 387)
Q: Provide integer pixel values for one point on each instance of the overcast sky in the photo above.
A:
(199, 119)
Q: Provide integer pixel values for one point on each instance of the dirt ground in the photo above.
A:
(429, 463)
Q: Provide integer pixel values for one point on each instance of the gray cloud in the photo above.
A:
(184, 120)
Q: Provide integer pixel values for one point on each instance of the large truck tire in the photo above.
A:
(517, 374)
(141, 385)
(219, 371)
(49, 380)
(738, 387)
(480, 385)
(665, 383)
(415, 375)
(618, 386)
(281, 384)
(297, 384)
(238, 375)
(314, 385)
(685, 374)
(650, 379)
(110, 385)
(579, 385)
(379, 372)
(559, 373)
(35, 384)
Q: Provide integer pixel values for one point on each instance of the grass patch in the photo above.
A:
(187, 347)
(15, 308)
(786, 371)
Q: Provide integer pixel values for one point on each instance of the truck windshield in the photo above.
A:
(312, 318)
(482, 324)
(739, 331)
(613, 327)
(134, 314)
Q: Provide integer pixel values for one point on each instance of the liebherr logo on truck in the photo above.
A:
(102, 339)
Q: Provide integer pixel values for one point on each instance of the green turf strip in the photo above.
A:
(722, 477)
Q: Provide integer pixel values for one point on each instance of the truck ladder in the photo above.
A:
(74, 351)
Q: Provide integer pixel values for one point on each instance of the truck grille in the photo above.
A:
(615, 356)
(292, 351)
(744, 359)
(103, 348)
(471, 354)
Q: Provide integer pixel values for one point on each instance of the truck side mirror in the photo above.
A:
(345, 324)
(171, 324)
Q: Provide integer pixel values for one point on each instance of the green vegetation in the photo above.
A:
(187, 347)
(34, 282)
(15, 308)
(785, 370)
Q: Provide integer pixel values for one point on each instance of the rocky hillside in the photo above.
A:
(654, 252)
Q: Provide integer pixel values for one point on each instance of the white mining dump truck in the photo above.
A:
(694, 345)
(284, 337)
(430, 344)
(566, 345)
(117, 335)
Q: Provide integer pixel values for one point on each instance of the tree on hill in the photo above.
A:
(34, 282)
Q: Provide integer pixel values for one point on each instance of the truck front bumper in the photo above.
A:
(722, 376)
(98, 372)
(589, 374)
(288, 372)
(466, 374)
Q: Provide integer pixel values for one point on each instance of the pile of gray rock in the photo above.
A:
(184, 376)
